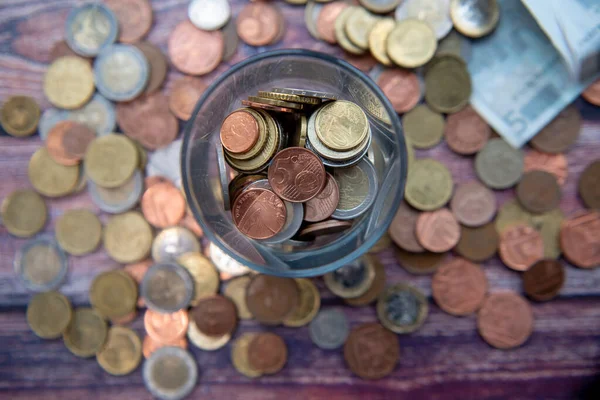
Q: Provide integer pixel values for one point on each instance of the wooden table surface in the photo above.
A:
(445, 359)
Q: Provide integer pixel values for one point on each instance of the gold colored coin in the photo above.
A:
(86, 333)
(411, 43)
(78, 232)
(204, 273)
(448, 84)
(122, 352)
(275, 102)
(383, 243)
(142, 155)
(410, 152)
(113, 294)
(429, 185)
(341, 125)
(69, 82)
(236, 292)
(340, 32)
(49, 314)
(205, 342)
(378, 38)
(511, 213)
(548, 225)
(474, 18)
(24, 213)
(111, 160)
(127, 237)
(308, 307)
(239, 356)
(423, 126)
(20, 116)
(358, 25)
(50, 178)
(296, 2)
(289, 97)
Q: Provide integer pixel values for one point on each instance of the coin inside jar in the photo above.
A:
(351, 280)
(357, 187)
(324, 203)
(127, 237)
(341, 125)
(167, 287)
(296, 174)
(259, 213)
(91, 28)
(49, 314)
(20, 116)
(371, 351)
(24, 213)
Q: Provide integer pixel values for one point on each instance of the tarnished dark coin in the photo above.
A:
(544, 280)
(271, 299)
(478, 244)
(267, 353)
(589, 185)
(297, 174)
(538, 192)
(559, 134)
(371, 351)
(215, 316)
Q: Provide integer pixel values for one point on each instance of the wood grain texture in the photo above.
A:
(446, 359)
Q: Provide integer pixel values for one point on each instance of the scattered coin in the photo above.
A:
(122, 352)
(111, 160)
(24, 213)
(194, 51)
(447, 84)
(423, 126)
(137, 272)
(78, 231)
(579, 239)
(49, 118)
(505, 320)
(435, 13)
(69, 82)
(121, 72)
(20, 116)
(120, 199)
(308, 93)
(589, 185)
(272, 299)
(134, 17)
(561, 133)
(358, 187)
(371, 351)
(267, 353)
(49, 314)
(184, 95)
(498, 165)
(127, 237)
(97, 114)
(258, 24)
(170, 373)
(91, 28)
(478, 244)
(206, 342)
(380, 6)
(202, 270)
(312, 11)
(403, 89)
(68, 141)
(262, 205)
(459, 287)
(466, 132)
(473, 204)
(438, 231)
(592, 93)
(209, 15)
(236, 291)
(429, 185)
(86, 333)
(548, 225)
(308, 306)
(402, 308)
(329, 329)
(351, 280)
(167, 287)
(113, 294)
(358, 25)
(158, 65)
(556, 164)
(340, 31)
(41, 265)
(215, 316)
(376, 287)
(403, 229)
(50, 178)
(224, 263)
(325, 24)
(420, 263)
(544, 279)
(400, 43)
(166, 328)
(327, 227)
(239, 356)
(163, 205)
(377, 43)
(520, 247)
(474, 18)
(61, 49)
(511, 213)
(538, 192)
(231, 40)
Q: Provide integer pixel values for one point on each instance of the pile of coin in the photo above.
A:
(297, 199)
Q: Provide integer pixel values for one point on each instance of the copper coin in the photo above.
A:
(459, 287)
(473, 204)
(150, 345)
(589, 185)
(478, 244)
(259, 213)
(166, 328)
(163, 205)
(559, 134)
(62, 49)
(239, 132)
(184, 95)
(403, 229)
(420, 263)
(134, 16)
(592, 93)
(148, 121)
(544, 279)
(374, 290)
(153, 180)
(158, 65)
(194, 51)
(258, 24)
(505, 320)
(520, 247)
(580, 239)
(466, 132)
(267, 353)
(364, 62)
(67, 142)
(271, 299)
(267, 107)
(323, 204)
(327, 227)
(371, 351)
(297, 174)
(438, 231)
(401, 87)
(538, 192)
(556, 164)
(137, 272)
(215, 316)
(326, 20)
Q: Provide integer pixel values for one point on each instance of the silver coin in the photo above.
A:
(209, 15)
(120, 199)
(231, 40)
(170, 373)
(49, 118)
(307, 93)
(225, 263)
(41, 264)
(499, 165)
(223, 178)
(311, 14)
(329, 329)
(121, 72)
(173, 242)
(402, 308)
(91, 28)
(435, 13)
(358, 189)
(167, 287)
(294, 216)
(98, 114)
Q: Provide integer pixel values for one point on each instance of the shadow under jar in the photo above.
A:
(305, 70)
